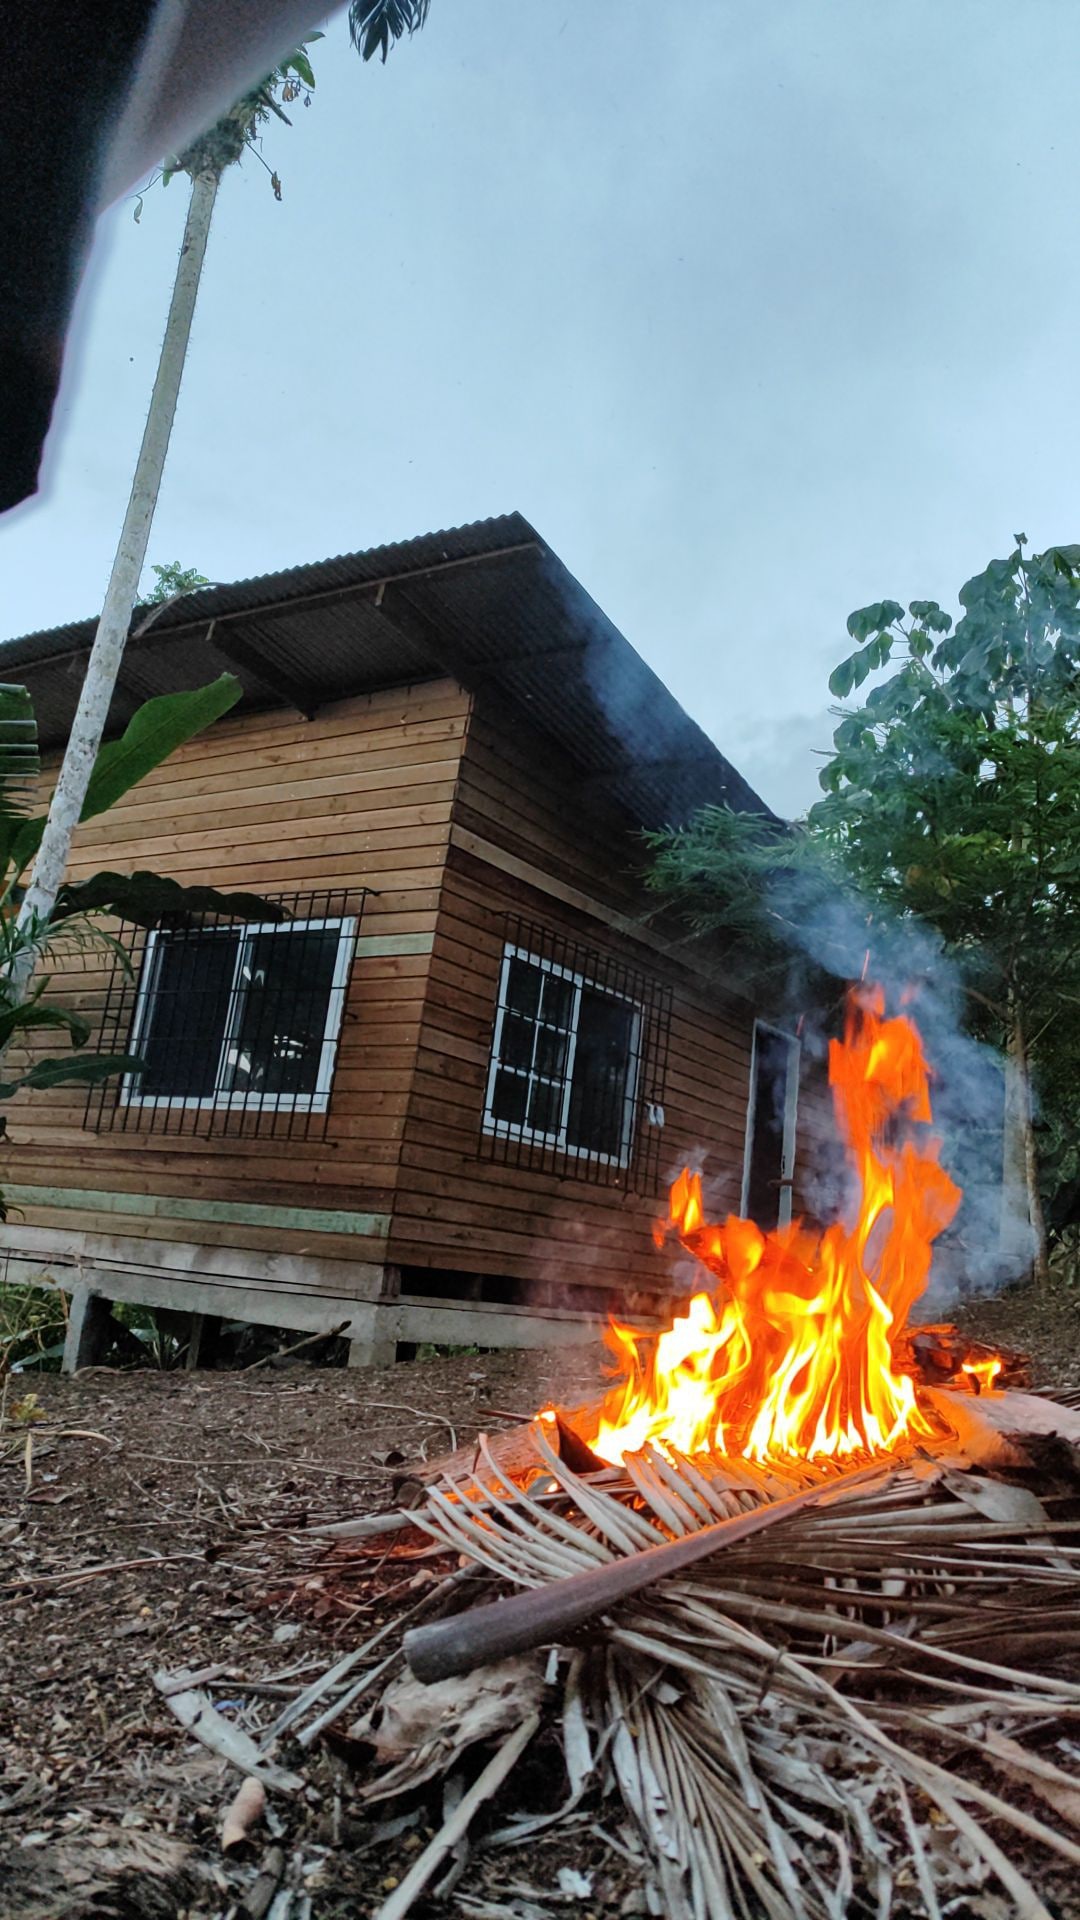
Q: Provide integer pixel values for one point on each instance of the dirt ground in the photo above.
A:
(153, 1520)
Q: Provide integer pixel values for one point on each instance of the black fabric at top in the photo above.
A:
(69, 68)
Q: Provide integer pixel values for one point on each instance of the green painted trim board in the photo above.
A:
(167, 1206)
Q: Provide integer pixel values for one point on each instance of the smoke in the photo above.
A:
(832, 938)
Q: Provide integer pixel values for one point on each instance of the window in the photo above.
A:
(240, 1015)
(564, 1062)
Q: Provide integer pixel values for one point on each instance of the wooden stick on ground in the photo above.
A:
(498, 1767)
(309, 1340)
(545, 1614)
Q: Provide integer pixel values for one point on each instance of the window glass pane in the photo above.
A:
(508, 1099)
(551, 1051)
(596, 1120)
(545, 1105)
(523, 987)
(516, 1041)
(188, 976)
(558, 1002)
(284, 996)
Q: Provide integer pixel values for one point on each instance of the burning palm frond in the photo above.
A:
(848, 1701)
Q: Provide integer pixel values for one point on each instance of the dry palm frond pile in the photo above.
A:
(868, 1708)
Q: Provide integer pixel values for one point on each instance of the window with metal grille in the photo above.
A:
(231, 1018)
(575, 1078)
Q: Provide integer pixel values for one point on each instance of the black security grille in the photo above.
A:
(577, 1063)
(237, 1022)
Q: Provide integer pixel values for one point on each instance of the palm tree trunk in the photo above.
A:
(106, 654)
(1020, 1189)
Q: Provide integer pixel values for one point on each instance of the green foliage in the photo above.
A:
(953, 793)
(154, 731)
(20, 762)
(33, 1321)
(90, 1071)
(172, 580)
(149, 899)
(951, 800)
(223, 144)
(758, 885)
(374, 25)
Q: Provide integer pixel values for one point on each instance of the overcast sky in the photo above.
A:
(757, 311)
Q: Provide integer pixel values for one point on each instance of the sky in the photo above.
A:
(758, 312)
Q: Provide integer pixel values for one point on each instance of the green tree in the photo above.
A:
(953, 793)
(952, 800)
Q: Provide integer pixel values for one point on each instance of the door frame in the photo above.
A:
(791, 1112)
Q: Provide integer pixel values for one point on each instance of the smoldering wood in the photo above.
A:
(935, 1355)
(551, 1613)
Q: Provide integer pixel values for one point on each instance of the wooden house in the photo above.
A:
(441, 1100)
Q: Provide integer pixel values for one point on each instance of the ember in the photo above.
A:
(792, 1354)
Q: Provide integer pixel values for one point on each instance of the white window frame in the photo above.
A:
(250, 1100)
(791, 1113)
(556, 1138)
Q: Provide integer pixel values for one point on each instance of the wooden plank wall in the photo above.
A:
(360, 796)
(522, 811)
(569, 1240)
(456, 812)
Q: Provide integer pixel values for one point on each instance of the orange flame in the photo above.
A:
(792, 1354)
(982, 1374)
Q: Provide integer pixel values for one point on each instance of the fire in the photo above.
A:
(790, 1354)
(982, 1374)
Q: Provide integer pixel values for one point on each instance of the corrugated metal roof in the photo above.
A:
(488, 603)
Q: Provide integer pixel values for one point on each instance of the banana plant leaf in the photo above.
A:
(56, 1072)
(146, 899)
(15, 1020)
(151, 735)
(20, 762)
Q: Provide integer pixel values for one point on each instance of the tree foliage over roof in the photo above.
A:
(951, 800)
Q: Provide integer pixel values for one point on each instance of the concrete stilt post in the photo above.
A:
(88, 1329)
(373, 1335)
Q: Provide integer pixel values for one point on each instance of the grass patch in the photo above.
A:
(33, 1322)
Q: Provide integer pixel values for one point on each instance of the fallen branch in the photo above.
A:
(195, 1712)
(498, 1767)
(309, 1340)
(546, 1614)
